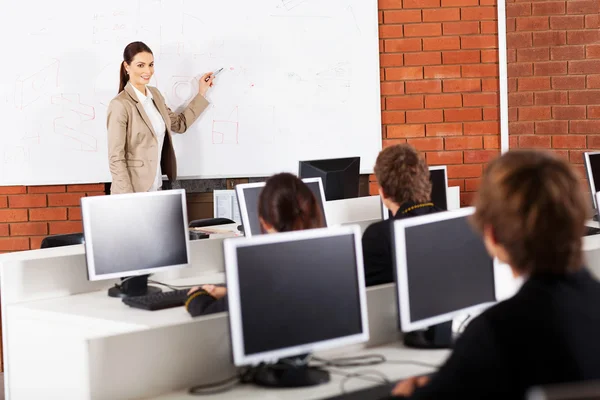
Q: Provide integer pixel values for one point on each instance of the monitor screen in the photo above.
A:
(592, 167)
(247, 197)
(434, 286)
(135, 234)
(294, 293)
(439, 190)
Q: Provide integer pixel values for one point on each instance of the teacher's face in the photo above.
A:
(141, 69)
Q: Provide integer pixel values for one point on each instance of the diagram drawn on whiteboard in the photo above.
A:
(71, 124)
(34, 86)
(335, 82)
(226, 130)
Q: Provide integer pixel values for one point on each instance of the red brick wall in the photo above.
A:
(554, 75)
(439, 83)
(29, 213)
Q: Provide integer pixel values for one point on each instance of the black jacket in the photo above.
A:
(201, 303)
(377, 245)
(547, 333)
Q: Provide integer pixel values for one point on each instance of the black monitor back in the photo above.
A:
(340, 176)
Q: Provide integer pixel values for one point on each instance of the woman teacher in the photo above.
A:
(140, 125)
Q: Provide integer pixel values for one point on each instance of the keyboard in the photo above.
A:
(158, 301)
(379, 392)
(591, 231)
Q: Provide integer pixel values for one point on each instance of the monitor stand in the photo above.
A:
(435, 337)
(133, 286)
(289, 373)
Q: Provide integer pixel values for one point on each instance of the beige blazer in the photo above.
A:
(132, 144)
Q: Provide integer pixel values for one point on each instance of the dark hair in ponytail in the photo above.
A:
(131, 50)
(287, 204)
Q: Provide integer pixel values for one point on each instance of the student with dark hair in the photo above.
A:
(531, 211)
(285, 204)
(140, 125)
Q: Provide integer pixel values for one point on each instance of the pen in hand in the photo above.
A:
(215, 74)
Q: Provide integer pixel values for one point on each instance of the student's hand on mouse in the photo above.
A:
(218, 292)
(206, 82)
(408, 386)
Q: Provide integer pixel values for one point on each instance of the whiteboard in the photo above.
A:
(300, 82)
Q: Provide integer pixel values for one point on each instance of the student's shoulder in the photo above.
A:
(377, 230)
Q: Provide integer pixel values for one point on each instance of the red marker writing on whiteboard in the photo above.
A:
(215, 74)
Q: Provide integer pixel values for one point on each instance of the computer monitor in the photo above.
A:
(340, 176)
(442, 269)
(130, 236)
(294, 293)
(439, 188)
(247, 198)
(592, 169)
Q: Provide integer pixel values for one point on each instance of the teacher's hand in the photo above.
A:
(205, 83)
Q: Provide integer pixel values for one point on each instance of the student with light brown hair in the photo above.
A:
(531, 211)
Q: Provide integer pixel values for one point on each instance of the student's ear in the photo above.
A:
(266, 227)
(380, 190)
(494, 248)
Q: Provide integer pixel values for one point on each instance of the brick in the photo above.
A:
(583, 7)
(13, 189)
(431, 58)
(464, 142)
(4, 230)
(3, 201)
(534, 84)
(27, 201)
(98, 187)
(513, 114)
(454, 129)
(535, 142)
(402, 45)
(585, 127)
(549, 8)
(533, 24)
(14, 244)
(491, 142)
(592, 21)
(551, 98)
(576, 157)
(480, 99)
(568, 142)
(567, 53)
(421, 3)
(392, 142)
(480, 156)
(74, 213)
(460, 28)
(393, 117)
(594, 142)
(583, 37)
(392, 88)
(57, 228)
(492, 114)
(534, 54)
(443, 101)
(380, 17)
(473, 71)
(444, 157)
(467, 198)
(440, 72)
(550, 68)
(520, 99)
(462, 85)
(584, 67)
(568, 82)
(424, 86)
(424, 116)
(489, 56)
(593, 82)
(405, 131)
(422, 30)
(391, 60)
(551, 127)
(479, 42)
(520, 69)
(460, 183)
(67, 199)
(521, 128)
(427, 144)
(567, 22)
(585, 97)
(464, 171)
(48, 189)
(459, 3)
(490, 85)
(390, 31)
(441, 14)
(551, 38)
(467, 114)
(478, 13)
(592, 51)
(401, 16)
(534, 113)
(568, 112)
(488, 27)
(443, 43)
(386, 4)
(404, 103)
(519, 40)
(47, 214)
(472, 185)
(461, 57)
(518, 9)
(482, 128)
(403, 73)
(593, 111)
(13, 215)
(29, 229)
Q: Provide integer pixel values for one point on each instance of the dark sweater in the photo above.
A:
(377, 245)
(547, 333)
(201, 303)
